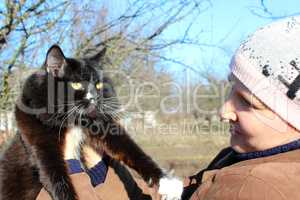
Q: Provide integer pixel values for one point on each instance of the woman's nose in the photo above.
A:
(227, 111)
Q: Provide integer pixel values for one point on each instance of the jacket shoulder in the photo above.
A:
(274, 180)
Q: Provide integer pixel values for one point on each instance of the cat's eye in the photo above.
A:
(76, 86)
(99, 86)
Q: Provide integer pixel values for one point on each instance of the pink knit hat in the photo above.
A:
(268, 64)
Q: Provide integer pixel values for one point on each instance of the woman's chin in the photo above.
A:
(237, 144)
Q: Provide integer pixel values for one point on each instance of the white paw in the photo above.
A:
(170, 188)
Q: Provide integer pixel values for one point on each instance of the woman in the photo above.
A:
(263, 160)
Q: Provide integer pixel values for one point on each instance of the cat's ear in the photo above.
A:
(98, 56)
(55, 61)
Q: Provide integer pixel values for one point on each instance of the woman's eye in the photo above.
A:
(99, 86)
(244, 101)
(76, 86)
(249, 104)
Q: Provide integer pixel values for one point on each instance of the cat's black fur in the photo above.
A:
(35, 157)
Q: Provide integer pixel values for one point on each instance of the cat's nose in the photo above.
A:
(90, 97)
(92, 100)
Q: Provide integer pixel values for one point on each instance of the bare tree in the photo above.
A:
(26, 27)
(134, 38)
(21, 23)
(264, 11)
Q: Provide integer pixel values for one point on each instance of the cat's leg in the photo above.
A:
(113, 137)
(120, 146)
(53, 173)
(18, 177)
(46, 147)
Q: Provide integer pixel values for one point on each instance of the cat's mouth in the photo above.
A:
(92, 111)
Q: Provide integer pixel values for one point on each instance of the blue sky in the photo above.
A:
(225, 24)
(219, 29)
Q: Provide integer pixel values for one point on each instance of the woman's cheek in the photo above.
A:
(249, 125)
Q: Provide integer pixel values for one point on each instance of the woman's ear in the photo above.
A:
(55, 61)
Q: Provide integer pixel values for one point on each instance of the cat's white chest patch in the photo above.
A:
(74, 138)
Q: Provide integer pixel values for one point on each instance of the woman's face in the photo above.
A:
(253, 126)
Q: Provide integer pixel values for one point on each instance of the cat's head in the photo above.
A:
(77, 88)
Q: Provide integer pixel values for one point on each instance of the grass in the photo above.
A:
(186, 154)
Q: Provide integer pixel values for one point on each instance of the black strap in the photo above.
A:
(225, 158)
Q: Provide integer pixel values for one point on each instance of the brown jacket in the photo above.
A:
(270, 178)
(274, 177)
(119, 185)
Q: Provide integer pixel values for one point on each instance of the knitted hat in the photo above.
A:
(268, 64)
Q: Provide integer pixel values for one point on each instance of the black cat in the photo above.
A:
(66, 94)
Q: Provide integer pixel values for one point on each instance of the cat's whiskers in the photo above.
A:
(101, 110)
(64, 104)
(80, 113)
(59, 112)
(111, 105)
(121, 114)
(116, 114)
(67, 115)
(113, 101)
(106, 98)
(56, 115)
(104, 114)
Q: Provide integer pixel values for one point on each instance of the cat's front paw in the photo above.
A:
(170, 188)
